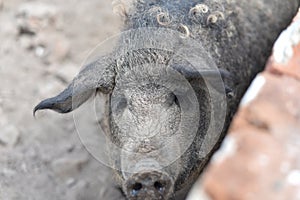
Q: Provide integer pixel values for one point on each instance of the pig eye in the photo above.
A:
(119, 104)
(172, 99)
(159, 186)
(122, 103)
(136, 188)
(176, 100)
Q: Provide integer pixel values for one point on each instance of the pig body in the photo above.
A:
(145, 107)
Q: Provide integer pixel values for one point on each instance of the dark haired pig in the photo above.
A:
(163, 116)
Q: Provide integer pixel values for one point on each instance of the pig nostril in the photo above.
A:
(135, 189)
(150, 183)
(137, 186)
(159, 186)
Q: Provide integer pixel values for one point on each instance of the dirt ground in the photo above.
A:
(42, 46)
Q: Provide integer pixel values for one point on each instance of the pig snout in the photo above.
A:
(148, 180)
(149, 185)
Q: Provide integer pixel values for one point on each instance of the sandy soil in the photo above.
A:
(41, 49)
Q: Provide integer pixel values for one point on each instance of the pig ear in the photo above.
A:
(98, 75)
(212, 75)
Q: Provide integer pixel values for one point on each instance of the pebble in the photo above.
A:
(8, 172)
(51, 47)
(71, 182)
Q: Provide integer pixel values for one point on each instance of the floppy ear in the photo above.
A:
(212, 76)
(98, 75)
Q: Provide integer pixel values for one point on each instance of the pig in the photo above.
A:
(160, 106)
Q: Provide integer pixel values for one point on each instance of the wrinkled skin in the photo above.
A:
(145, 114)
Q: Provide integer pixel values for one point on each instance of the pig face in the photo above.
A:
(145, 117)
(144, 120)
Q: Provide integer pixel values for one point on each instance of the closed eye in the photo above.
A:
(172, 99)
(118, 104)
(122, 103)
(176, 101)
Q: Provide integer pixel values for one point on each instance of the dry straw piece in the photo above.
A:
(199, 8)
(163, 18)
(185, 30)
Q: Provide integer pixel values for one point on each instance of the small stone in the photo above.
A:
(40, 51)
(51, 47)
(9, 135)
(24, 167)
(71, 182)
(8, 172)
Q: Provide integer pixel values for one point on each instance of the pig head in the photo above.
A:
(158, 115)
